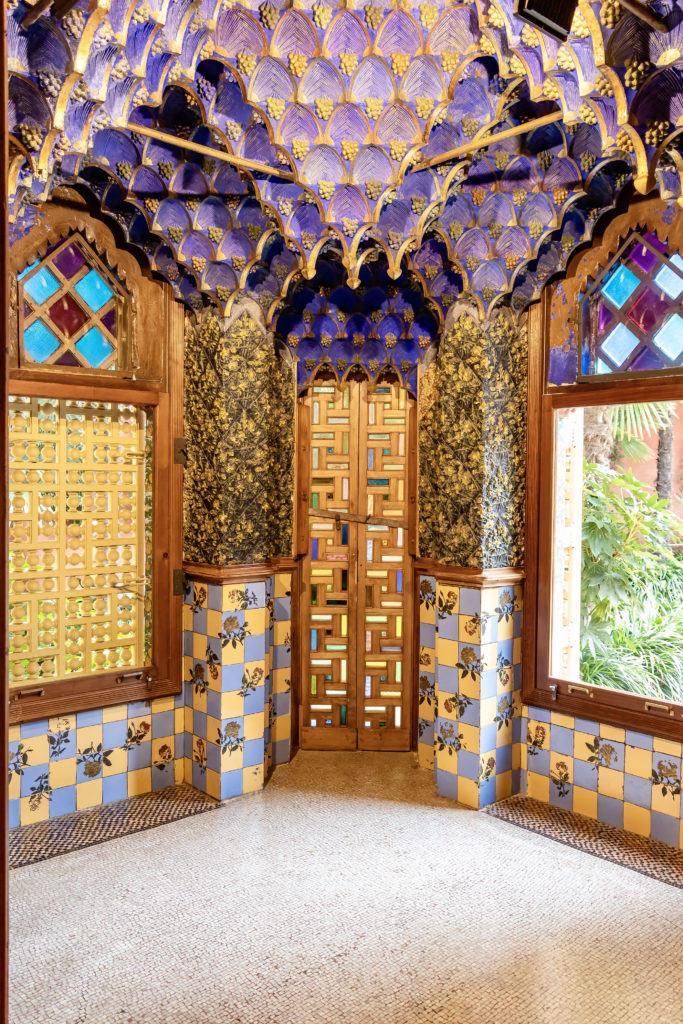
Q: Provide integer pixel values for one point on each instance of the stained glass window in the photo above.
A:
(73, 310)
(631, 315)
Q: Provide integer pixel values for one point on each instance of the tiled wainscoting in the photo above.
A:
(222, 734)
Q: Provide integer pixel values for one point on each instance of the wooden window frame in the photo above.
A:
(539, 688)
(160, 325)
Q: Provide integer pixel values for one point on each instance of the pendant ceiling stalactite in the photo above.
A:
(340, 115)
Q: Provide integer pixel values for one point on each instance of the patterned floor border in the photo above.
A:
(648, 856)
(29, 844)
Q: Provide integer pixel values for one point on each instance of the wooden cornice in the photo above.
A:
(249, 572)
(467, 576)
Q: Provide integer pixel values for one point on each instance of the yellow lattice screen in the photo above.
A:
(79, 551)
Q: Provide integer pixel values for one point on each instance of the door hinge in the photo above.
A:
(179, 582)
(179, 451)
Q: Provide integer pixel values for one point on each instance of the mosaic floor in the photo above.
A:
(347, 892)
(32, 843)
(650, 857)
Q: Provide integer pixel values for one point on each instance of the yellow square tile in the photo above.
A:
(179, 720)
(468, 793)
(189, 720)
(468, 686)
(233, 597)
(488, 657)
(40, 749)
(448, 652)
(139, 781)
(233, 655)
(256, 620)
(448, 707)
(665, 803)
(505, 630)
(539, 733)
(282, 632)
(427, 614)
(198, 646)
(89, 734)
(489, 600)
(581, 741)
(666, 747)
(283, 584)
(253, 726)
(566, 765)
(214, 622)
(637, 819)
(63, 773)
(232, 705)
(470, 737)
(179, 770)
(252, 779)
(503, 785)
(88, 794)
(162, 704)
(213, 784)
(425, 756)
(516, 756)
(426, 659)
(469, 629)
(517, 651)
(447, 762)
(33, 810)
(638, 762)
(611, 783)
(165, 743)
(199, 699)
(585, 801)
(282, 728)
(14, 733)
(448, 598)
(566, 721)
(62, 723)
(119, 762)
(140, 727)
(232, 760)
(213, 728)
(538, 786)
(199, 595)
(523, 755)
(488, 709)
(187, 770)
(281, 680)
(611, 732)
(188, 616)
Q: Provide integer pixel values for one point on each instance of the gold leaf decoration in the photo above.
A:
(324, 107)
(400, 63)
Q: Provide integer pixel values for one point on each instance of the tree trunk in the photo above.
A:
(665, 461)
(597, 435)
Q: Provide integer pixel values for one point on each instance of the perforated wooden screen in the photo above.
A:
(80, 538)
(358, 599)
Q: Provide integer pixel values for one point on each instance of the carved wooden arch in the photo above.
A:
(150, 311)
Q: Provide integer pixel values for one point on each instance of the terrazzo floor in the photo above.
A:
(346, 891)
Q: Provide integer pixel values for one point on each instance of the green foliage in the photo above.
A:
(631, 587)
(630, 425)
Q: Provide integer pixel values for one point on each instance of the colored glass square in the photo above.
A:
(668, 280)
(619, 344)
(109, 321)
(620, 286)
(41, 286)
(69, 260)
(647, 310)
(669, 338)
(67, 315)
(40, 342)
(94, 347)
(94, 290)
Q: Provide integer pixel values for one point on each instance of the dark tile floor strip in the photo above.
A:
(29, 844)
(648, 856)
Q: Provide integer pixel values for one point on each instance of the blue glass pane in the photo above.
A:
(42, 285)
(668, 280)
(602, 367)
(28, 270)
(619, 344)
(619, 286)
(669, 338)
(94, 347)
(93, 290)
(40, 342)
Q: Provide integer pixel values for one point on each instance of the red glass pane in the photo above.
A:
(67, 315)
(69, 261)
(647, 310)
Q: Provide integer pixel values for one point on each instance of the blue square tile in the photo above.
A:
(470, 601)
(448, 679)
(28, 729)
(163, 776)
(138, 708)
(188, 643)
(140, 756)
(638, 739)
(187, 745)
(562, 740)
(665, 828)
(487, 792)
(114, 787)
(585, 725)
(213, 644)
(14, 813)
(85, 718)
(448, 627)
(62, 748)
(213, 757)
(504, 759)
(446, 784)
(253, 753)
(255, 647)
(488, 683)
(427, 635)
(198, 777)
(487, 736)
(231, 678)
(30, 777)
(539, 714)
(163, 724)
(231, 784)
(283, 609)
(199, 621)
(214, 597)
(516, 781)
(199, 723)
(523, 787)
(565, 801)
(517, 677)
(213, 704)
(506, 650)
(517, 729)
(468, 764)
(585, 775)
(114, 734)
(281, 704)
(517, 628)
(62, 801)
(638, 791)
(282, 657)
(281, 752)
(472, 715)
(179, 699)
(425, 732)
(539, 762)
(610, 811)
(253, 701)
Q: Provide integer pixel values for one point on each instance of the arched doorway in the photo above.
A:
(357, 510)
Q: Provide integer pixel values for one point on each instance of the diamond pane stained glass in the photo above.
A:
(76, 311)
(78, 522)
(632, 318)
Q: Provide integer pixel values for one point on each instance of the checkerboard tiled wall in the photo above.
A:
(470, 679)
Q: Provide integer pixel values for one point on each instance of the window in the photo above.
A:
(95, 500)
(604, 623)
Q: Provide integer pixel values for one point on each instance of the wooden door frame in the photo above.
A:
(301, 541)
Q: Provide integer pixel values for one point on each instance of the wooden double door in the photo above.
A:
(357, 516)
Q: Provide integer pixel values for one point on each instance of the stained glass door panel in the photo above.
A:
(356, 609)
